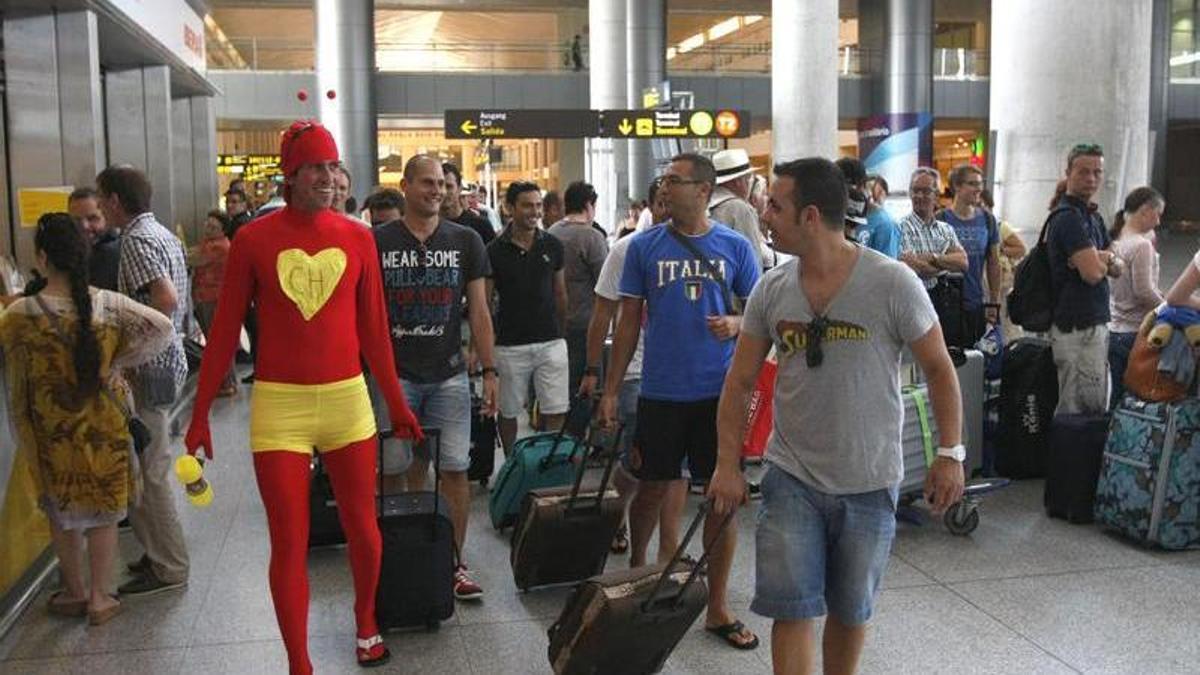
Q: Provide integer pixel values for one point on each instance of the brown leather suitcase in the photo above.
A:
(629, 621)
(563, 534)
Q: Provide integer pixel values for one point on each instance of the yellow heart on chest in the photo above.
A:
(309, 280)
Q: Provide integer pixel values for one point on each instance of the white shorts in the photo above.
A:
(546, 363)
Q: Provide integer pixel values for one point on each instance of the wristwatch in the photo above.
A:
(957, 453)
(487, 370)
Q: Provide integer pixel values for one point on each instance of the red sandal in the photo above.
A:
(372, 652)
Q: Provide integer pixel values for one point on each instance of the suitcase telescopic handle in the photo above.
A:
(704, 511)
(579, 439)
(609, 465)
(432, 435)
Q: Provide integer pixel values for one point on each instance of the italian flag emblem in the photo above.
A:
(692, 290)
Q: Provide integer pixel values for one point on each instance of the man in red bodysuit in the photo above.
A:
(314, 278)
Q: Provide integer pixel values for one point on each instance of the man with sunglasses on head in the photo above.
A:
(1080, 265)
(686, 275)
(838, 317)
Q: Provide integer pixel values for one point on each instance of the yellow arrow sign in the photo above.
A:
(625, 127)
(467, 127)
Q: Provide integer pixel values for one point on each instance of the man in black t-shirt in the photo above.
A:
(453, 210)
(527, 274)
(429, 266)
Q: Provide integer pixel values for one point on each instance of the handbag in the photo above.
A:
(138, 431)
(1143, 379)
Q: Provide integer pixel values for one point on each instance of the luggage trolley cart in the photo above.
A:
(919, 442)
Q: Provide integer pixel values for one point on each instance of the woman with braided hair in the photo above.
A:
(62, 351)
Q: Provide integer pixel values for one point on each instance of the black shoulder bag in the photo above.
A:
(732, 303)
(138, 431)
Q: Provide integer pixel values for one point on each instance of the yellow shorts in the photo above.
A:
(300, 417)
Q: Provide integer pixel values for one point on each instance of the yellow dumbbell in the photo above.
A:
(190, 472)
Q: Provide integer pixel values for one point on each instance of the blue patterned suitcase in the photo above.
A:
(1150, 478)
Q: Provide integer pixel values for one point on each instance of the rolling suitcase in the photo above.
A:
(1028, 397)
(538, 461)
(1073, 466)
(564, 534)
(324, 528)
(629, 621)
(483, 445)
(416, 581)
(1149, 486)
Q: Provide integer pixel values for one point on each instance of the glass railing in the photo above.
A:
(735, 58)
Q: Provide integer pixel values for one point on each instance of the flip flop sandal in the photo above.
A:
(371, 652)
(730, 632)
(101, 617)
(620, 542)
(74, 609)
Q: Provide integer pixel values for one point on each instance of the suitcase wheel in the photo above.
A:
(961, 519)
(433, 625)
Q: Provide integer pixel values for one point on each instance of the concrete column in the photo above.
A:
(51, 65)
(138, 112)
(907, 79)
(606, 159)
(804, 78)
(645, 66)
(182, 168)
(1160, 87)
(346, 66)
(81, 101)
(204, 155)
(1050, 94)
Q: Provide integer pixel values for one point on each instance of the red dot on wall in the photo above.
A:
(331, 94)
(302, 95)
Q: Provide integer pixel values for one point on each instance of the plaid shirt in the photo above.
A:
(917, 236)
(150, 252)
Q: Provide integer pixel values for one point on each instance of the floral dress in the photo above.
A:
(78, 446)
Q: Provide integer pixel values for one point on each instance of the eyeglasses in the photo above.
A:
(814, 334)
(973, 183)
(921, 191)
(672, 180)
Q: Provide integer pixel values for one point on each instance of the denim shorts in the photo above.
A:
(444, 405)
(627, 401)
(820, 553)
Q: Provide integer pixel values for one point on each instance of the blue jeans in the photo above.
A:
(1119, 346)
(444, 405)
(820, 553)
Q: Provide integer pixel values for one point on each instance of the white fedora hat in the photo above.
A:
(730, 164)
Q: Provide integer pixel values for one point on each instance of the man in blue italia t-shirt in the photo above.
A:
(690, 330)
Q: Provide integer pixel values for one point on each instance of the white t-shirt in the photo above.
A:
(608, 286)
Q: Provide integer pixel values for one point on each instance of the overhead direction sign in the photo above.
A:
(632, 124)
(522, 123)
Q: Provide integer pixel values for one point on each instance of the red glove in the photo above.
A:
(406, 426)
(198, 436)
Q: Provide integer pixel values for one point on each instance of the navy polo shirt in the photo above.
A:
(524, 282)
(1077, 304)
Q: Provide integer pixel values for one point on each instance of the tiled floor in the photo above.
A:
(1023, 594)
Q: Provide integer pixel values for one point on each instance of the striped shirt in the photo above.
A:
(921, 238)
(150, 252)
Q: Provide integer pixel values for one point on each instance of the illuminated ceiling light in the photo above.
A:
(720, 30)
(1185, 59)
(751, 19)
(671, 53)
(691, 43)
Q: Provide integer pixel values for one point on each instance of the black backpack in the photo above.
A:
(1031, 301)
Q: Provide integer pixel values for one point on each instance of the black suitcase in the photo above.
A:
(1073, 467)
(629, 621)
(947, 298)
(324, 528)
(1028, 396)
(484, 439)
(564, 534)
(416, 582)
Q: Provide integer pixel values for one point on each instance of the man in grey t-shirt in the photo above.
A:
(838, 317)
(584, 250)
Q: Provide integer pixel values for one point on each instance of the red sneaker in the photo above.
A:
(465, 587)
(371, 652)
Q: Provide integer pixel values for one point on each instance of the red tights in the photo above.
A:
(283, 482)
